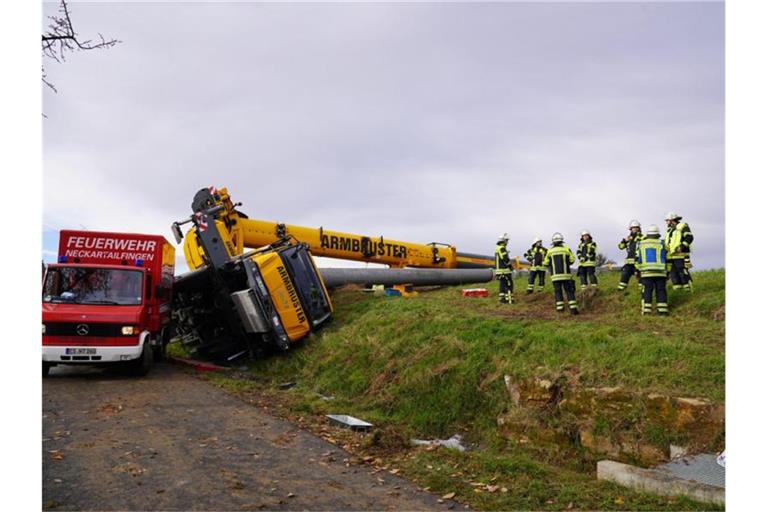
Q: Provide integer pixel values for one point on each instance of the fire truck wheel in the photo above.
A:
(141, 366)
(158, 351)
(46, 368)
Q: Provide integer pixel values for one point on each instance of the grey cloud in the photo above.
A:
(446, 122)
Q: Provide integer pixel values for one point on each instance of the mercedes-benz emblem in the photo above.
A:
(82, 329)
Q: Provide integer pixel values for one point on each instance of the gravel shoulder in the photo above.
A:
(170, 441)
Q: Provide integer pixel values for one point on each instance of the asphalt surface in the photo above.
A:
(170, 441)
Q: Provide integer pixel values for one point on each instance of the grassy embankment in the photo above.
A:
(433, 365)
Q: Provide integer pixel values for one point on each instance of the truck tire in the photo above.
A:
(46, 368)
(141, 366)
(159, 350)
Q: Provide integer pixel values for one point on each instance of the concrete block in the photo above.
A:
(653, 481)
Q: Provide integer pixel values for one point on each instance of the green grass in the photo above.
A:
(433, 365)
(530, 484)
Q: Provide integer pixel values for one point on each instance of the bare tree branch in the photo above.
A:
(61, 38)
(601, 260)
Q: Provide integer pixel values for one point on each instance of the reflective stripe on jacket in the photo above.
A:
(679, 240)
(651, 257)
(503, 263)
(587, 252)
(559, 260)
(630, 244)
(535, 256)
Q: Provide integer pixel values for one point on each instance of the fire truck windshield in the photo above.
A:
(92, 286)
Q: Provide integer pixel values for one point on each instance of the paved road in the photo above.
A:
(170, 441)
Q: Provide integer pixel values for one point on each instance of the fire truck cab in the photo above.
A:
(107, 300)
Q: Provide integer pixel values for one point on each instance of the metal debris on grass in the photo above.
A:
(453, 442)
(346, 421)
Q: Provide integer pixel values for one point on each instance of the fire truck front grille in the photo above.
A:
(82, 329)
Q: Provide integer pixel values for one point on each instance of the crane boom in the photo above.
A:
(238, 232)
(235, 303)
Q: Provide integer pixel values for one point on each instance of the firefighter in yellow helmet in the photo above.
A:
(587, 253)
(629, 243)
(679, 240)
(651, 262)
(504, 271)
(535, 256)
(559, 259)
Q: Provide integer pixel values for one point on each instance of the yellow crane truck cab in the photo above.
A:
(240, 305)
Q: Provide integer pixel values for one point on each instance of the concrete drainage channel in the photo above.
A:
(697, 476)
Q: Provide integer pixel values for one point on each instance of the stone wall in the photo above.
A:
(610, 421)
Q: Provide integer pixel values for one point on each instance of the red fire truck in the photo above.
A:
(108, 300)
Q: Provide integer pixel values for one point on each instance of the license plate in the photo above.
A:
(81, 351)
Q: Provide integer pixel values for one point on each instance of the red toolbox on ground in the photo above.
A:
(474, 292)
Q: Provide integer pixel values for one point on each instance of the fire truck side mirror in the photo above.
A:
(177, 234)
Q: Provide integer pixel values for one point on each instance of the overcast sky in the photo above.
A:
(429, 122)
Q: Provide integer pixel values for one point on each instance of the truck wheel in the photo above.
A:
(158, 352)
(141, 366)
(46, 368)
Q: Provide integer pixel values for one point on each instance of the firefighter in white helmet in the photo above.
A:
(587, 253)
(535, 256)
(559, 259)
(629, 243)
(504, 271)
(679, 241)
(651, 261)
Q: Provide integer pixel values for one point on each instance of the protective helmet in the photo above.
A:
(557, 237)
(537, 240)
(634, 224)
(585, 233)
(672, 216)
(503, 237)
(653, 229)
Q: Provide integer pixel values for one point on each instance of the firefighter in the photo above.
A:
(504, 271)
(651, 261)
(535, 256)
(559, 259)
(679, 239)
(587, 253)
(629, 243)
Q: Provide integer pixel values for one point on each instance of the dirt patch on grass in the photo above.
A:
(593, 304)
(588, 299)
(719, 314)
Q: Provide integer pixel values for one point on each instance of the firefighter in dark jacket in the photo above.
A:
(504, 271)
(587, 253)
(629, 243)
(679, 239)
(535, 256)
(559, 259)
(651, 264)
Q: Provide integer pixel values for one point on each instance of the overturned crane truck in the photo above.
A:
(107, 300)
(236, 305)
(242, 305)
